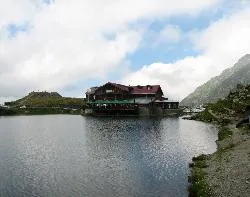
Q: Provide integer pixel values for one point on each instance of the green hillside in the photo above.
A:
(225, 166)
(229, 109)
(47, 99)
(44, 103)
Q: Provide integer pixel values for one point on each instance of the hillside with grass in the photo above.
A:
(47, 99)
(230, 109)
(44, 103)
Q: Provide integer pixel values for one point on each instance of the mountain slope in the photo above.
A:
(220, 86)
(47, 99)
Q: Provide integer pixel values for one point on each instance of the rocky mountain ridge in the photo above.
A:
(219, 87)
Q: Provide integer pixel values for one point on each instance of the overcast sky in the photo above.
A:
(70, 45)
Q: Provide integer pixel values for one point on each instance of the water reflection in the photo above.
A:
(84, 156)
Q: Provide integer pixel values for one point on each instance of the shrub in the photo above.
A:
(198, 186)
(206, 116)
(200, 157)
(224, 133)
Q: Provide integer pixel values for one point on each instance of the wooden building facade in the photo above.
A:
(113, 91)
(112, 97)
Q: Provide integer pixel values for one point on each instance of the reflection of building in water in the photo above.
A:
(112, 98)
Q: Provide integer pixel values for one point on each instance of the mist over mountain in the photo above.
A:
(220, 86)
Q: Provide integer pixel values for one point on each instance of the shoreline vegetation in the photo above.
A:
(225, 172)
(42, 103)
(39, 111)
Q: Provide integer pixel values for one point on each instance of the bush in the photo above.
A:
(206, 116)
(224, 133)
(7, 112)
(200, 157)
(198, 186)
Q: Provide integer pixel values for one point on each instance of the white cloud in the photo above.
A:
(169, 34)
(177, 79)
(73, 40)
(221, 45)
(226, 40)
(17, 11)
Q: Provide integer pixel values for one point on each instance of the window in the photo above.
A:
(109, 91)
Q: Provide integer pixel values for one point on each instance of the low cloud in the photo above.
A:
(220, 46)
(67, 41)
(177, 79)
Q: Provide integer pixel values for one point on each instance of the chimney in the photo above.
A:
(149, 87)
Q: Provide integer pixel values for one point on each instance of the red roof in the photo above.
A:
(148, 89)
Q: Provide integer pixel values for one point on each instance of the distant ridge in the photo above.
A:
(47, 99)
(44, 94)
(219, 87)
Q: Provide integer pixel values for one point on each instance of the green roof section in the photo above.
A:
(111, 102)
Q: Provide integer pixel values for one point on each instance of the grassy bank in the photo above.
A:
(38, 111)
(226, 172)
(199, 186)
(46, 110)
(7, 112)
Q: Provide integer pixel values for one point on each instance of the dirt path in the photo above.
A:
(228, 171)
(213, 114)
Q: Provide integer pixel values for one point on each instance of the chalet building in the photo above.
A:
(112, 97)
(113, 91)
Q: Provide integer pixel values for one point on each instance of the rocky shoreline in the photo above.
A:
(225, 172)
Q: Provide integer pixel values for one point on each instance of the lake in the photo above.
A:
(73, 156)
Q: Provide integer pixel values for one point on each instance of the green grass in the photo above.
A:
(199, 186)
(224, 121)
(46, 110)
(206, 116)
(37, 111)
(45, 99)
(7, 112)
(233, 105)
(228, 108)
(223, 154)
(220, 106)
(201, 164)
(224, 133)
(200, 161)
(200, 157)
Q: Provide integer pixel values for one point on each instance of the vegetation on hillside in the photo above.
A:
(228, 109)
(6, 111)
(46, 99)
(44, 103)
(225, 113)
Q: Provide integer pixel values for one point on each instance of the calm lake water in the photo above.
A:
(73, 156)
